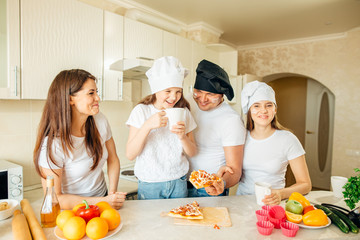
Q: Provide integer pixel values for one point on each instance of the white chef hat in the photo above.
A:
(166, 72)
(256, 91)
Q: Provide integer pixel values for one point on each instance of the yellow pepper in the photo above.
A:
(316, 217)
(300, 198)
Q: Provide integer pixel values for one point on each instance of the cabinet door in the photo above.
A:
(9, 49)
(58, 35)
(113, 51)
(169, 44)
(142, 40)
(184, 54)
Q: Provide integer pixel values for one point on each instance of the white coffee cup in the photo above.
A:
(261, 189)
(337, 184)
(174, 116)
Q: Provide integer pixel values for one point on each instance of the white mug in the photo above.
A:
(337, 184)
(175, 115)
(261, 189)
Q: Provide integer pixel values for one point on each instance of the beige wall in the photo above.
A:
(333, 62)
(19, 121)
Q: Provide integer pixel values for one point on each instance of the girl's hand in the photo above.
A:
(179, 130)
(273, 199)
(157, 120)
(116, 199)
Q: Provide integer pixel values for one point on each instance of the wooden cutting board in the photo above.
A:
(212, 215)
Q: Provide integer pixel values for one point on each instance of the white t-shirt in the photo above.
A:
(266, 160)
(77, 178)
(217, 128)
(162, 158)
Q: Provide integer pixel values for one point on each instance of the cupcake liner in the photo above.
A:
(266, 207)
(265, 227)
(262, 215)
(289, 229)
(277, 216)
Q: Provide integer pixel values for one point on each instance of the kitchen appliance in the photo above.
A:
(133, 68)
(11, 180)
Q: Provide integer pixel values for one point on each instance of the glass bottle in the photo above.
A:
(50, 208)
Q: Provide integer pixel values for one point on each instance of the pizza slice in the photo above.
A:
(189, 211)
(201, 179)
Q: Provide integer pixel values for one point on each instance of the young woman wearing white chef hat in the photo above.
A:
(269, 147)
(161, 165)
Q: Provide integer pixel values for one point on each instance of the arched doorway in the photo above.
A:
(307, 108)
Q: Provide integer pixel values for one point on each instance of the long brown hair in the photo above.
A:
(56, 118)
(151, 99)
(274, 123)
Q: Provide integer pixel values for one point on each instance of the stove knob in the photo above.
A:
(16, 192)
(15, 179)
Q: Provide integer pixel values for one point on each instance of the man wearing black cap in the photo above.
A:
(220, 135)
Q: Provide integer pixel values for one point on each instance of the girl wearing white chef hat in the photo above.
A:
(161, 165)
(269, 147)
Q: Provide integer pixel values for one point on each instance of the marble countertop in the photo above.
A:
(142, 219)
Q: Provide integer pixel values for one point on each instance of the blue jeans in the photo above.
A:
(162, 190)
(201, 192)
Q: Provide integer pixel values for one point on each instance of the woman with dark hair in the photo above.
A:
(161, 164)
(269, 148)
(74, 141)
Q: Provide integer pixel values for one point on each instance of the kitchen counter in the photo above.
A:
(142, 219)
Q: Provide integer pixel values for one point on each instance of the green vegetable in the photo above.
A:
(334, 218)
(347, 220)
(352, 190)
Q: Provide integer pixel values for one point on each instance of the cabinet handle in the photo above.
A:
(101, 88)
(309, 132)
(120, 84)
(15, 90)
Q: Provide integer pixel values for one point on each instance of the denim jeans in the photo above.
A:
(201, 192)
(162, 190)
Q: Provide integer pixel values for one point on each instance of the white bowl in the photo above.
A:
(10, 211)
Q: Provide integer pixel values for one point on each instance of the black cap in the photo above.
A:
(212, 78)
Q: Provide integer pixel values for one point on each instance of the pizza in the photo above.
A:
(201, 179)
(189, 211)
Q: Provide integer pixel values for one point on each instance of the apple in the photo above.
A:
(294, 207)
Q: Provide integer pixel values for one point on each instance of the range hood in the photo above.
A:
(133, 68)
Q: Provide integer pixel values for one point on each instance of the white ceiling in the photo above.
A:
(246, 22)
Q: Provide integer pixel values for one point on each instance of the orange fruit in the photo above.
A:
(74, 228)
(77, 207)
(292, 217)
(97, 228)
(112, 217)
(62, 218)
(308, 209)
(103, 205)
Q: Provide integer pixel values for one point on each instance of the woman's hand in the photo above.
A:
(273, 199)
(179, 129)
(116, 199)
(157, 120)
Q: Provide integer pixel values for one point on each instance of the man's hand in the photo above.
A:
(216, 189)
(223, 170)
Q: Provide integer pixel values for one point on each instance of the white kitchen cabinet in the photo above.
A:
(169, 44)
(112, 84)
(227, 57)
(184, 54)
(58, 35)
(142, 40)
(9, 49)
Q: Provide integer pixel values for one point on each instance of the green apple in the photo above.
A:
(294, 207)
